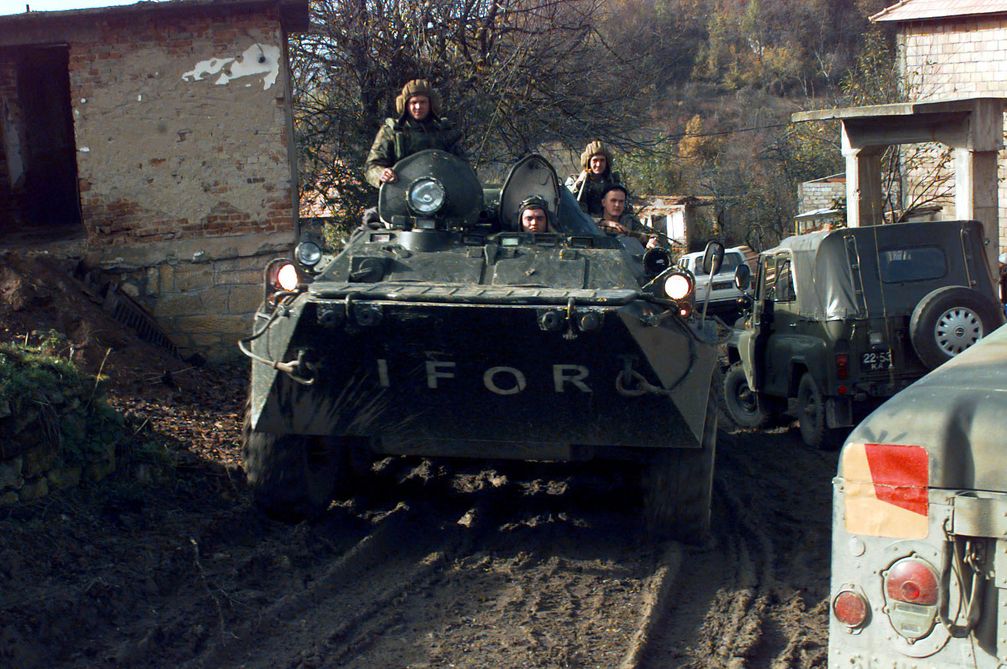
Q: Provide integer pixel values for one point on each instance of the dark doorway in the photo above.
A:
(50, 201)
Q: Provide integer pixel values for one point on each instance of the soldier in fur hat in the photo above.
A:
(596, 175)
(419, 126)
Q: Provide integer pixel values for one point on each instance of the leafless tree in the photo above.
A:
(513, 74)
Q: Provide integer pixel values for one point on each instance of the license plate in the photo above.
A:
(876, 360)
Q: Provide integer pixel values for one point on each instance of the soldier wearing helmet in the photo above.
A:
(534, 216)
(596, 175)
(419, 126)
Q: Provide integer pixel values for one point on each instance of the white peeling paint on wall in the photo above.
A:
(256, 59)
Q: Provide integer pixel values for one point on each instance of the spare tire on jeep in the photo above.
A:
(948, 320)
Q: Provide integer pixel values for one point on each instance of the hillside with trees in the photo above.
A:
(694, 94)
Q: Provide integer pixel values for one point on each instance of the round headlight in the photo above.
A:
(287, 278)
(308, 253)
(426, 196)
(677, 286)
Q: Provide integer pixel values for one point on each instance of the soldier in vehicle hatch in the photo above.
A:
(534, 216)
(597, 174)
(419, 126)
(616, 220)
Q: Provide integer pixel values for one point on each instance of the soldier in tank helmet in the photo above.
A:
(534, 216)
(596, 175)
(419, 126)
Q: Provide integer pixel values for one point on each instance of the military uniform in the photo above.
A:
(588, 187)
(636, 229)
(404, 136)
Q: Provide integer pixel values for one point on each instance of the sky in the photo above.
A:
(17, 6)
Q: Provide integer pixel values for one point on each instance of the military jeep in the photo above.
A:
(840, 320)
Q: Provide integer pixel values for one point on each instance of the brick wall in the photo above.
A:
(957, 58)
(166, 150)
(819, 194)
(183, 162)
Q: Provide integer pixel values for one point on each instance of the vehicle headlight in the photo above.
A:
(426, 196)
(308, 253)
(286, 278)
(678, 285)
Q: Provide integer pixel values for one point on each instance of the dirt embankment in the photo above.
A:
(432, 563)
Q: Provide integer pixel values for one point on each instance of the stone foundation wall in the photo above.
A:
(54, 441)
(202, 292)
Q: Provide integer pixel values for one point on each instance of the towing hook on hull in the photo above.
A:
(629, 382)
(300, 370)
(569, 335)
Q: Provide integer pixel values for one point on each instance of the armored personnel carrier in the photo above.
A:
(442, 329)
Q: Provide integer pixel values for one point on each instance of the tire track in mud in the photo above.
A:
(538, 567)
(755, 595)
(552, 578)
(398, 557)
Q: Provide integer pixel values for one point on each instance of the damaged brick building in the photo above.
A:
(158, 137)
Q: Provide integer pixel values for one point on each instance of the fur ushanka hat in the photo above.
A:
(593, 149)
(418, 87)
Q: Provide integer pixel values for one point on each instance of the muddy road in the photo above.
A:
(433, 563)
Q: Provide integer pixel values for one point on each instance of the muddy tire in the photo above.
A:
(292, 477)
(678, 486)
(949, 320)
(742, 404)
(811, 416)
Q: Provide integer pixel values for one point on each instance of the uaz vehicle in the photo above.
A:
(841, 320)
(445, 330)
(919, 524)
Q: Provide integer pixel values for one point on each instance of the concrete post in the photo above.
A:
(976, 196)
(863, 184)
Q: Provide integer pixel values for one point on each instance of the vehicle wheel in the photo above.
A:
(678, 486)
(742, 402)
(811, 416)
(949, 320)
(292, 477)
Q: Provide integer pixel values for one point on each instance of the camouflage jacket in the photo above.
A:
(588, 189)
(397, 139)
(636, 229)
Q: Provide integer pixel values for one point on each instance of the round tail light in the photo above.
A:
(912, 581)
(850, 608)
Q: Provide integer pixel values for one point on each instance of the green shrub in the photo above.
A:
(46, 400)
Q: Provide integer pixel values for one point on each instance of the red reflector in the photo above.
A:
(842, 365)
(912, 581)
(842, 390)
(850, 608)
(900, 474)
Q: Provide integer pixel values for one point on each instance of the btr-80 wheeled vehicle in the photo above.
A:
(444, 330)
(841, 320)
